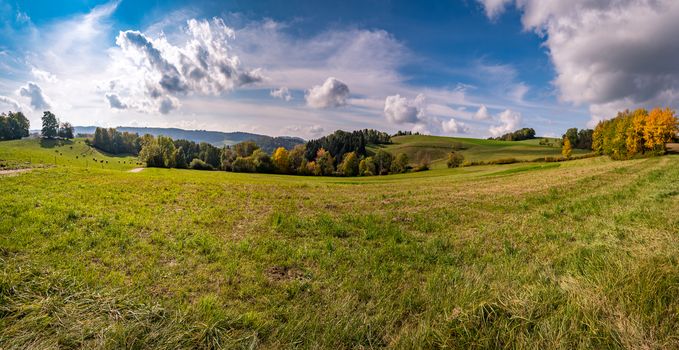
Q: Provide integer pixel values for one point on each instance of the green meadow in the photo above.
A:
(436, 149)
(571, 255)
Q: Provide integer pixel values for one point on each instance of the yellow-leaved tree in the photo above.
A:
(660, 128)
(567, 148)
(281, 160)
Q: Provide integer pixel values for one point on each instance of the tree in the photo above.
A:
(262, 161)
(66, 130)
(13, 126)
(572, 136)
(297, 160)
(660, 128)
(325, 163)
(400, 164)
(228, 156)
(585, 139)
(349, 165)
(50, 125)
(180, 158)
(281, 160)
(209, 154)
(367, 167)
(383, 161)
(151, 153)
(245, 149)
(567, 148)
(455, 159)
(167, 151)
(243, 165)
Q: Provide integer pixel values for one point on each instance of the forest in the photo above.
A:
(635, 133)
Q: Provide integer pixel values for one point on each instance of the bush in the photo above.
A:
(197, 164)
(243, 165)
(455, 159)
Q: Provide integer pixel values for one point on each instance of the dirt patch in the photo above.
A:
(136, 170)
(284, 273)
(13, 171)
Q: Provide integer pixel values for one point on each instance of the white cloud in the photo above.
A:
(494, 8)
(482, 114)
(310, 131)
(43, 75)
(453, 126)
(400, 110)
(509, 121)
(12, 103)
(333, 93)
(33, 92)
(607, 53)
(201, 64)
(283, 93)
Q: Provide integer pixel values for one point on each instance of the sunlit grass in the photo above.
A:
(581, 254)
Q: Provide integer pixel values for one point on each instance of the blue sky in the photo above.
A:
(306, 68)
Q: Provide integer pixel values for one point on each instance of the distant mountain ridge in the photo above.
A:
(216, 138)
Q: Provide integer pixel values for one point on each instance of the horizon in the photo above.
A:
(468, 69)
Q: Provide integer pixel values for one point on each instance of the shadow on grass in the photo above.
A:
(51, 143)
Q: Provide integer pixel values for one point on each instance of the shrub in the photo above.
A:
(198, 164)
(455, 159)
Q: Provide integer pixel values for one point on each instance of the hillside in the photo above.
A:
(438, 147)
(580, 254)
(216, 138)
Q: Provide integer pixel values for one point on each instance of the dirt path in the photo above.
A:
(135, 170)
(13, 171)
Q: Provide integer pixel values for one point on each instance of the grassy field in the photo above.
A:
(580, 254)
(76, 153)
(436, 148)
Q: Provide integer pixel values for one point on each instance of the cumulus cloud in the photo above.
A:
(310, 131)
(283, 93)
(509, 121)
(494, 8)
(115, 102)
(43, 75)
(482, 113)
(201, 64)
(36, 98)
(333, 93)
(606, 53)
(453, 126)
(400, 110)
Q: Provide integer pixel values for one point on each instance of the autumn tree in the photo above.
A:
(324, 162)
(281, 160)
(367, 167)
(567, 148)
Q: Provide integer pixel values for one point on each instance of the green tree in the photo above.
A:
(228, 156)
(262, 161)
(50, 125)
(367, 167)
(245, 149)
(297, 160)
(383, 161)
(400, 164)
(349, 165)
(66, 130)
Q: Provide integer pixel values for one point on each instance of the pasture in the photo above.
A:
(579, 254)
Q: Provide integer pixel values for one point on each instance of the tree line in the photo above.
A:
(518, 135)
(341, 142)
(248, 157)
(579, 139)
(13, 126)
(634, 133)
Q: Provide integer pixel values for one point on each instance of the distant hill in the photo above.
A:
(217, 138)
(436, 149)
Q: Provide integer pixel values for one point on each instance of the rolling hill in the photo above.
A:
(436, 148)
